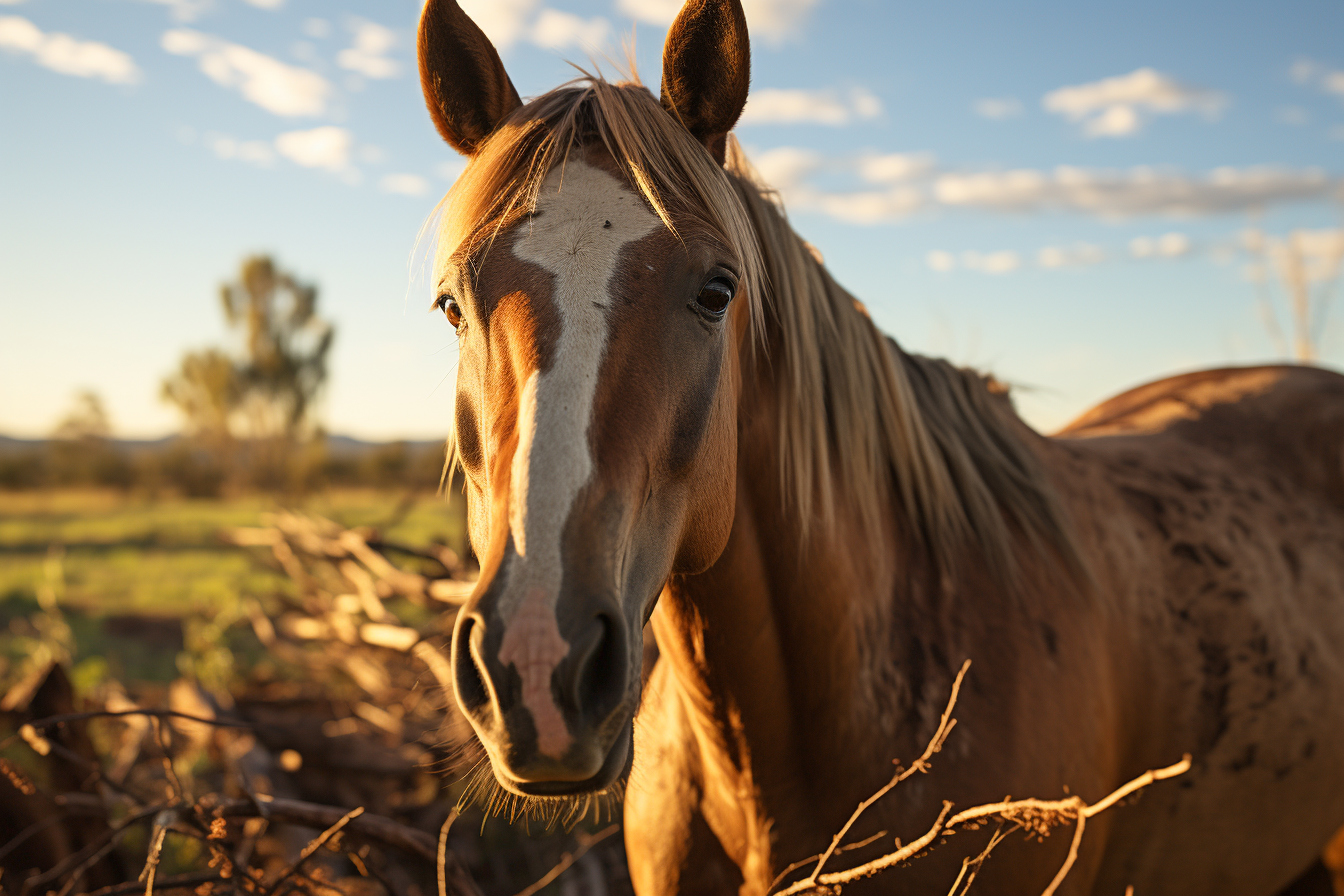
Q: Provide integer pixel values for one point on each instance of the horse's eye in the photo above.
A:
(715, 295)
(448, 305)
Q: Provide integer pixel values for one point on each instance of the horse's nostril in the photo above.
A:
(602, 670)
(472, 693)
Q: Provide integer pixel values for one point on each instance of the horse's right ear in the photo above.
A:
(466, 88)
(707, 70)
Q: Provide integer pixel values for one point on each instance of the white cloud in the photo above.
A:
(1002, 262)
(1307, 71)
(895, 168)
(185, 10)
(317, 29)
(273, 85)
(1294, 115)
(368, 55)
(67, 55)
(776, 106)
(266, 4)
(1079, 255)
(12, 2)
(556, 30)
(1113, 107)
(653, 12)
(772, 20)
(1139, 191)
(1334, 83)
(404, 184)
(998, 109)
(1168, 245)
(506, 22)
(503, 21)
(253, 152)
(786, 167)
(326, 147)
(941, 261)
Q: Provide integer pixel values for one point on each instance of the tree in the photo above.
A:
(82, 451)
(86, 421)
(286, 346)
(207, 390)
(264, 394)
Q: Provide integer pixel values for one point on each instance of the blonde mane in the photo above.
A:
(859, 420)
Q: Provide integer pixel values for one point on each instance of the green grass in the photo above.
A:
(122, 569)
(133, 554)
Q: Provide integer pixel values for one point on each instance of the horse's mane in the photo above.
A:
(860, 421)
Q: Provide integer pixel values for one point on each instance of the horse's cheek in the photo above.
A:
(712, 499)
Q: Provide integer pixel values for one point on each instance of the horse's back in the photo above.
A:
(1225, 542)
(1286, 419)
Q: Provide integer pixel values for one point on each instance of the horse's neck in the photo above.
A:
(786, 654)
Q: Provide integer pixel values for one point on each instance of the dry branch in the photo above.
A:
(586, 842)
(367, 824)
(1035, 814)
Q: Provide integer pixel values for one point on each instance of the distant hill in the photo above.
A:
(346, 446)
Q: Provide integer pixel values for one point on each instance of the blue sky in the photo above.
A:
(1058, 192)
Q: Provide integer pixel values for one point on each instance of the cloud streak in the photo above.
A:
(327, 148)
(1115, 107)
(893, 186)
(1138, 191)
(67, 55)
(828, 107)
(279, 88)
(368, 55)
(773, 20)
(506, 22)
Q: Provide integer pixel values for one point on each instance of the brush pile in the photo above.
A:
(321, 763)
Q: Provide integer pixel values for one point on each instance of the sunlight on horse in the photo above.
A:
(664, 400)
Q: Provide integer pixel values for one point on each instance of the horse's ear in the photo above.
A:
(707, 70)
(466, 88)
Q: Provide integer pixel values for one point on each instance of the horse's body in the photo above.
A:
(1210, 508)
(664, 399)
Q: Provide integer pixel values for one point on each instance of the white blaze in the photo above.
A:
(585, 218)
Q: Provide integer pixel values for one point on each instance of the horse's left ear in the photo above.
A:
(707, 70)
(466, 88)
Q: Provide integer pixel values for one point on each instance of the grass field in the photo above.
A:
(134, 580)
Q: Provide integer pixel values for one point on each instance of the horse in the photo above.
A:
(668, 412)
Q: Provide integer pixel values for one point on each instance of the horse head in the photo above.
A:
(597, 267)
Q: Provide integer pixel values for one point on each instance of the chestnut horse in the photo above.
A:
(663, 399)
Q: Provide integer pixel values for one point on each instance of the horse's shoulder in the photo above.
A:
(1288, 419)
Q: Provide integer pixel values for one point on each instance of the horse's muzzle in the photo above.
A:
(548, 691)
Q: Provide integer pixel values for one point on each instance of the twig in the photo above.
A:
(368, 824)
(858, 844)
(1032, 813)
(945, 726)
(173, 882)
(441, 857)
(569, 858)
(316, 844)
(94, 851)
(1046, 811)
(161, 823)
(52, 721)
